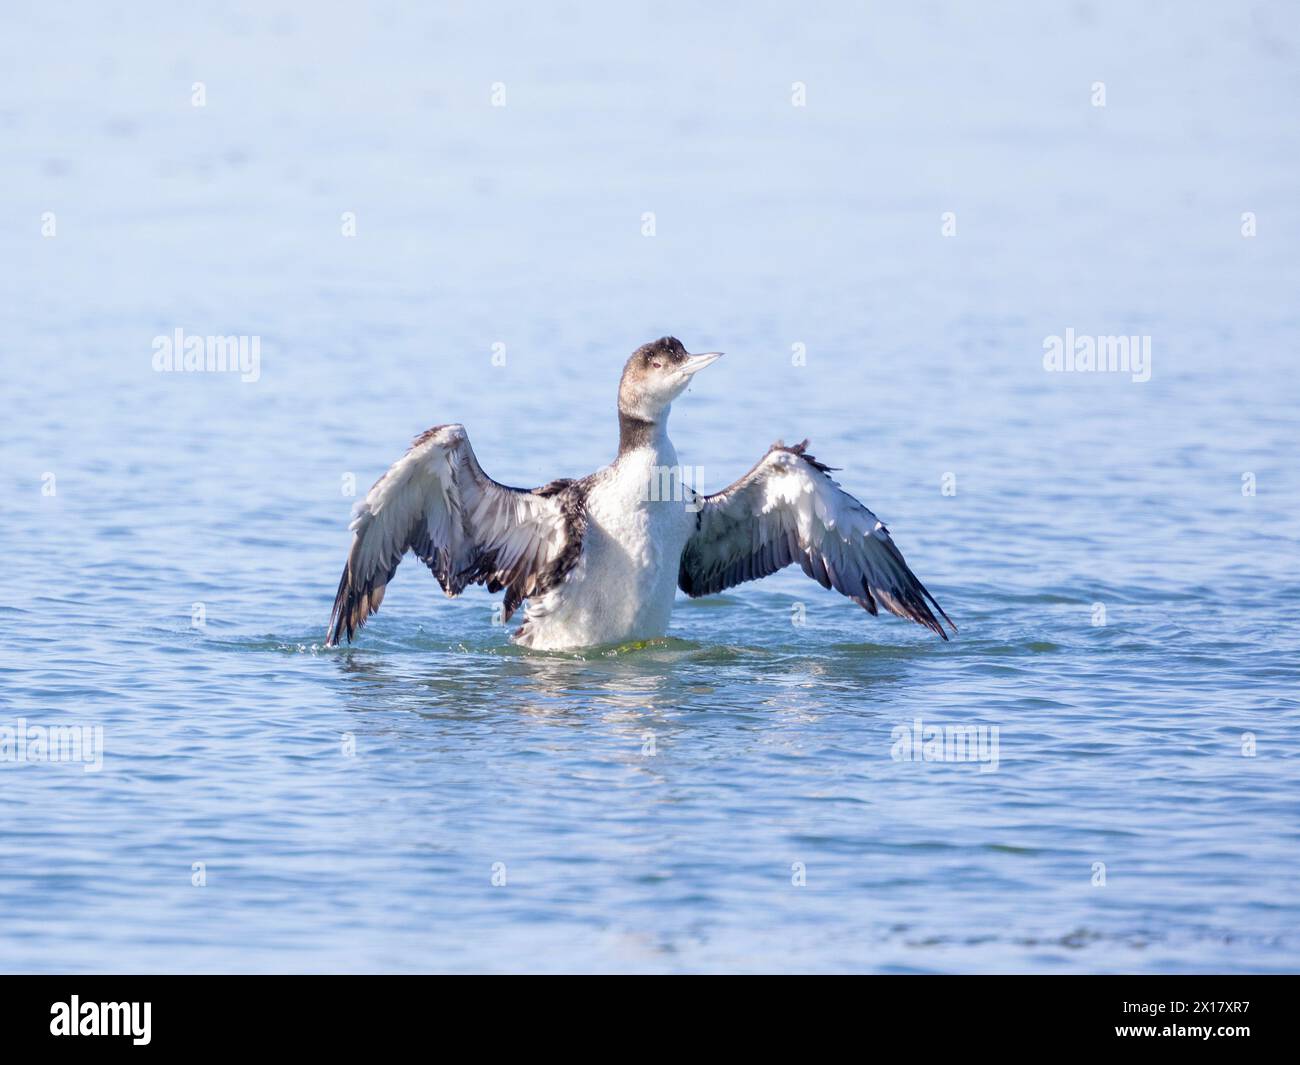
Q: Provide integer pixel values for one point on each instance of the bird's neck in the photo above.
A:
(638, 433)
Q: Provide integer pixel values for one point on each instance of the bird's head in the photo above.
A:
(655, 375)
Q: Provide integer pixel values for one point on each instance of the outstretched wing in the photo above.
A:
(788, 509)
(468, 529)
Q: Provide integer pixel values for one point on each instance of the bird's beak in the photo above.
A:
(695, 363)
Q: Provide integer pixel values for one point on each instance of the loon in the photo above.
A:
(598, 560)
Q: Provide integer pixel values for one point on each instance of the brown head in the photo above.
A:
(655, 375)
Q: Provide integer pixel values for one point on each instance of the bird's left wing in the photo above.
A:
(788, 509)
(437, 502)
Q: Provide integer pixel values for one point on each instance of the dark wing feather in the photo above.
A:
(437, 502)
(788, 509)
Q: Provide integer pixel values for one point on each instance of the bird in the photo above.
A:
(597, 560)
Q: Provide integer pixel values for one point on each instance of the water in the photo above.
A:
(652, 809)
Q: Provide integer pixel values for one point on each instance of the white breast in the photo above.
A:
(624, 584)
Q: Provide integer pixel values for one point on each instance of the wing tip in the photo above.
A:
(352, 606)
(942, 613)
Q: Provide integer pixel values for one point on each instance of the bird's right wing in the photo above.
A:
(468, 529)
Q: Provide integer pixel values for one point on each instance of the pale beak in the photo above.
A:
(696, 363)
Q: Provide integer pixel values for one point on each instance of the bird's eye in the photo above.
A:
(657, 364)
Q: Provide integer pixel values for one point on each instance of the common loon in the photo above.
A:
(598, 560)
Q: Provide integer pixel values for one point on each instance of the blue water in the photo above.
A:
(726, 799)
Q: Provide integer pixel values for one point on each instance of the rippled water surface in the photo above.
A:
(1120, 555)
